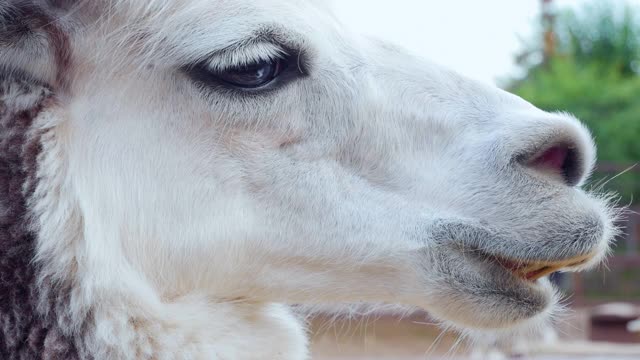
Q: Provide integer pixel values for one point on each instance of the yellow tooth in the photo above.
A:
(544, 268)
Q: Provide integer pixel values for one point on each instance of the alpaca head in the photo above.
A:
(257, 150)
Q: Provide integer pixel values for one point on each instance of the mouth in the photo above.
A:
(512, 289)
(533, 270)
(510, 279)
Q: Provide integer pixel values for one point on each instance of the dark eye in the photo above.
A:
(254, 75)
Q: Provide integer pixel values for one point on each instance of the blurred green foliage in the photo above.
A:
(593, 74)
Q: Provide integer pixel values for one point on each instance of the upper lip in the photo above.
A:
(532, 270)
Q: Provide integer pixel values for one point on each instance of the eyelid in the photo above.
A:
(205, 73)
(242, 55)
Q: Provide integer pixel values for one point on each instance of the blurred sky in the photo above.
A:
(477, 38)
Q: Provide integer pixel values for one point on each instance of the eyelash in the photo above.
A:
(288, 68)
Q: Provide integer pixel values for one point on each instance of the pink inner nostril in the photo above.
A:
(562, 158)
(554, 158)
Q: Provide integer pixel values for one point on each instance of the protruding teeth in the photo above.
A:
(532, 271)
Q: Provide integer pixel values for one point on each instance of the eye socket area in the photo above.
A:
(254, 76)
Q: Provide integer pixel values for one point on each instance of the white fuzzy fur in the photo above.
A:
(183, 220)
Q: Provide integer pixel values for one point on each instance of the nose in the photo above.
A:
(564, 152)
(562, 160)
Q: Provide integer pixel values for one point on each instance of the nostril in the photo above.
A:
(561, 159)
(553, 158)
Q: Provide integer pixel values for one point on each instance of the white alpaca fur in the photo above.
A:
(185, 219)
